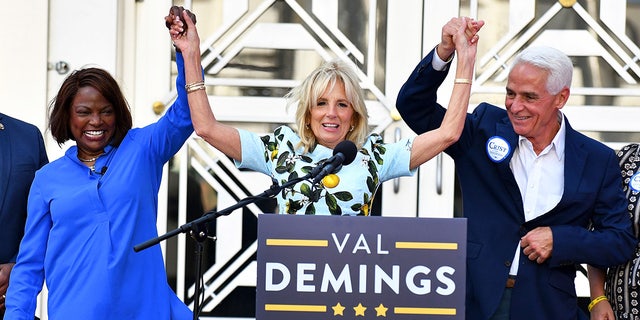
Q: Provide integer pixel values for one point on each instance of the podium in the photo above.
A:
(346, 267)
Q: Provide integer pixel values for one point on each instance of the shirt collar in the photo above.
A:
(558, 142)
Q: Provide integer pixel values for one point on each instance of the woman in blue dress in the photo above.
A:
(87, 209)
(330, 109)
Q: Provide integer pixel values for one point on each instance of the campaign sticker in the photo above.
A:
(498, 149)
(634, 183)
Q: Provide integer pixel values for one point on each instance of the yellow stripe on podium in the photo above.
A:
(297, 243)
(427, 245)
(431, 311)
(295, 307)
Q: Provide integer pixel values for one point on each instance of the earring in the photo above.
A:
(307, 126)
(352, 127)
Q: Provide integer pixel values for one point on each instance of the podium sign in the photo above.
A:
(344, 267)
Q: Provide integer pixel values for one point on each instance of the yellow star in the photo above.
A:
(359, 309)
(338, 309)
(381, 311)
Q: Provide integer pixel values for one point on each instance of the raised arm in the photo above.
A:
(447, 44)
(221, 136)
(429, 144)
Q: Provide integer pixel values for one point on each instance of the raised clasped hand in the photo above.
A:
(447, 44)
(183, 31)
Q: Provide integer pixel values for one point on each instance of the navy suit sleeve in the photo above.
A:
(417, 99)
(24, 152)
(42, 151)
(610, 241)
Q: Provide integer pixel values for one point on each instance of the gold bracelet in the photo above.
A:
(595, 301)
(195, 86)
(197, 83)
(462, 81)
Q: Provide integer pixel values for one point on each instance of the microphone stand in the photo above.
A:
(198, 231)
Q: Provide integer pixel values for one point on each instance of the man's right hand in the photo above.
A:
(447, 46)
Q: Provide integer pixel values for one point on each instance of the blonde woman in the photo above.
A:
(330, 109)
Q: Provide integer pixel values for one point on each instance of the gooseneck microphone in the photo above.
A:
(343, 154)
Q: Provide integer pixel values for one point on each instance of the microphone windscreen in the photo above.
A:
(348, 149)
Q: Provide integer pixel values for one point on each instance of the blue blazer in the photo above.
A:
(22, 152)
(493, 206)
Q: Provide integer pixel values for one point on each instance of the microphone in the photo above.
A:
(343, 154)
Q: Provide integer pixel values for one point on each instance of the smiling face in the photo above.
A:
(92, 122)
(331, 117)
(532, 110)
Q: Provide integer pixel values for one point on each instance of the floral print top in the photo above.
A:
(351, 189)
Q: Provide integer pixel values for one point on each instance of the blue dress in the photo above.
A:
(82, 226)
(279, 156)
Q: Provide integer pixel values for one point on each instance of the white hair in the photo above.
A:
(557, 64)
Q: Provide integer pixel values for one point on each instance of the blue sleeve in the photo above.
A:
(165, 137)
(396, 160)
(27, 276)
(255, 155)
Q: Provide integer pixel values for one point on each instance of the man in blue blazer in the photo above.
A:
(539, 197)
(22, 152)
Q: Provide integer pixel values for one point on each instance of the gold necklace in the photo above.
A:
(88, 160)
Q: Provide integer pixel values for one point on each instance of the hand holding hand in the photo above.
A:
(182, 29)
(176, 11)
(466, 41)
(447, 44)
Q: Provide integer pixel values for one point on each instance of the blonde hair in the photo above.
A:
(307, 93)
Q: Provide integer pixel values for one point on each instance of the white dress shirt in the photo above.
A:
(540, 178)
